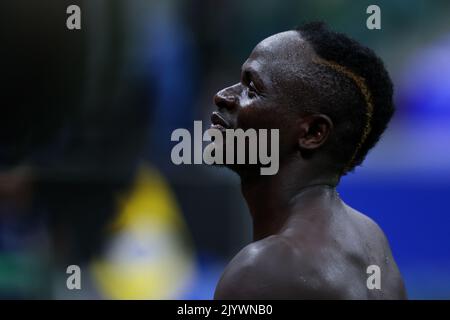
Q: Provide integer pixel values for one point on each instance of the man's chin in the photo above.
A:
(243, 170)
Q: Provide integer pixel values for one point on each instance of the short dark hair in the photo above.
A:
(360, 117)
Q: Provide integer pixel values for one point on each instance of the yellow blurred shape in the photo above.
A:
(149, 255)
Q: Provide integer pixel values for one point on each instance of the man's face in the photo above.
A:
(275, 84)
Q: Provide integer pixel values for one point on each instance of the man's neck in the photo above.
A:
(272, 199)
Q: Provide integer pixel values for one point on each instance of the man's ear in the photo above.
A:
(314, 131)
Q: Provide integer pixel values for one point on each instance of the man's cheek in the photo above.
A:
(255, 116)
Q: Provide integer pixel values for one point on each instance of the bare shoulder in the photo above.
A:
(272, 268)
(371, 230)
(375, 250)
(311, 264)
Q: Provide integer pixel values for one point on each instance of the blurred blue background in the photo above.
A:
(85, 170)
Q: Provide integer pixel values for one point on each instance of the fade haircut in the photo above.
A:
(358, 95)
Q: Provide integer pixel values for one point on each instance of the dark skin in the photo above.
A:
(307, 243)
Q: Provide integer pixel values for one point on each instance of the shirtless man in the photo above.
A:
(331, 99)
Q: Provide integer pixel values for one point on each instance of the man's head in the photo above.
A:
(330, 97)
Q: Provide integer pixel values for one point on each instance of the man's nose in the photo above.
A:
(226, 98)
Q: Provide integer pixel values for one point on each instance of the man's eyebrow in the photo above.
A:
(252, 74)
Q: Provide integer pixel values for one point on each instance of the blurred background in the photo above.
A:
(85, 172)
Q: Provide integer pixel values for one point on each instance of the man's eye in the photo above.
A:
(252, 87)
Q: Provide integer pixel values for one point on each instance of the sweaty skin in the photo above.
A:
(307, 243)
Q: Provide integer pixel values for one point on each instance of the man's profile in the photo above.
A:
(331, 99)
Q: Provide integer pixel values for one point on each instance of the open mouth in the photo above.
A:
(219, 122)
